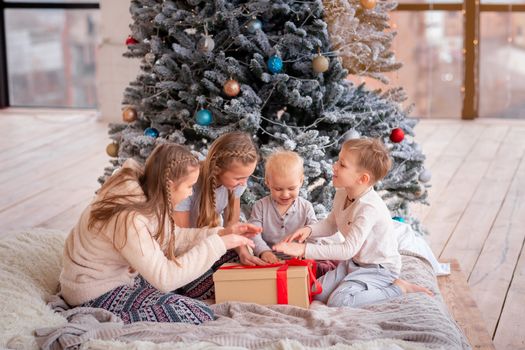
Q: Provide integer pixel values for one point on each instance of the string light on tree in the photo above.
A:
(129, 115)
(368, 4)
(131, 40)
(151, 132)
(231, 87)
(275, 64)
(203, 117)
(112, 149)
(397, 135)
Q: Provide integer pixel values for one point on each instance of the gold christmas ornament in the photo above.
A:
(129, 115)
(368, 4)
(112, 149)
(232, 87)
(320, 64)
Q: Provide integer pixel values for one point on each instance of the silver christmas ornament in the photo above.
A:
(352, 134)
(254, 25)
(425, 175)
(206, 44)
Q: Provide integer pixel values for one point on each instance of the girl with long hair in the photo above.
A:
(127, 255)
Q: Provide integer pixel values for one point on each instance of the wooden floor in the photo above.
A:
(50, 161)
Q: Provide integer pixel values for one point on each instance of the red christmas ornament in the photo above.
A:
(232, 87)
(131, 40)
(397, 135)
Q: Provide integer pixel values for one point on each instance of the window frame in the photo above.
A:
(4, 82)
(471, 14)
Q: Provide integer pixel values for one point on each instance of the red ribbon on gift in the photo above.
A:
(282, 277)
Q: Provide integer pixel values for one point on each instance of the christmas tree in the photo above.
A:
(277, 70)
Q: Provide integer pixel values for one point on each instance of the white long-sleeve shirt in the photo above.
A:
(367, 228)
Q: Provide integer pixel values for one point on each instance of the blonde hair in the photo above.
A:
(283, 162)
(167, 162)
(372, 156)
(231, 147)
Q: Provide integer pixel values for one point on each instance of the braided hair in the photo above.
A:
(231, 147)
(168, 162)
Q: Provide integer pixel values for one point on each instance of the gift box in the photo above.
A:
(292, 283)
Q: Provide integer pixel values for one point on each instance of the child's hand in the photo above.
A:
(270, 257)
(243, 229)
(234, 241)
(300, 235)
(292, 249)
(246, 258)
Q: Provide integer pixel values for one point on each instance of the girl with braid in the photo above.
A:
(126, 254)
(230, 161)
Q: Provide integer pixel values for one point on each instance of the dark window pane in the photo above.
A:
(51, 57)
(502, 73)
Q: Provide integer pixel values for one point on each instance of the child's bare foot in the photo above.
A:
(408, 287)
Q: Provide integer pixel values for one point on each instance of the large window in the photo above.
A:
(502, 69)
(430, 46)
(461, 58)
(49, 58)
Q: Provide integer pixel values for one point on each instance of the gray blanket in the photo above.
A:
(414, 317)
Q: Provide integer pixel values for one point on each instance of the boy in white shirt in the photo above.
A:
(372, 262)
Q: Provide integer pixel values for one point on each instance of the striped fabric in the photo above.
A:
(143, 302)
(203, 288)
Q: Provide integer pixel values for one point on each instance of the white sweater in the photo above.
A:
(367, 228)
(92, 266)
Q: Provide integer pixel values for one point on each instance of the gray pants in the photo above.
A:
(353, 285)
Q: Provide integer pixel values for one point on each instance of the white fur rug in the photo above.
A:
(29, 269)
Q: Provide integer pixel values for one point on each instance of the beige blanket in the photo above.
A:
(29, 268)
(415, 318)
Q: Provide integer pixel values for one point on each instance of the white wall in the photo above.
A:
(114, 72)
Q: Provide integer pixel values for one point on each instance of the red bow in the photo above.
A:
(282, 277)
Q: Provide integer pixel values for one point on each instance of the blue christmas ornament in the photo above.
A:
(254, 25)
(275, 64)
(151, 132)
(398, 218)
(203, 117)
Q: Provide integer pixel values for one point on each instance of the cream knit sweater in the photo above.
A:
(92, 266)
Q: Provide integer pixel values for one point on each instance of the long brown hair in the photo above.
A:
(167, 162)
(229, 148)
